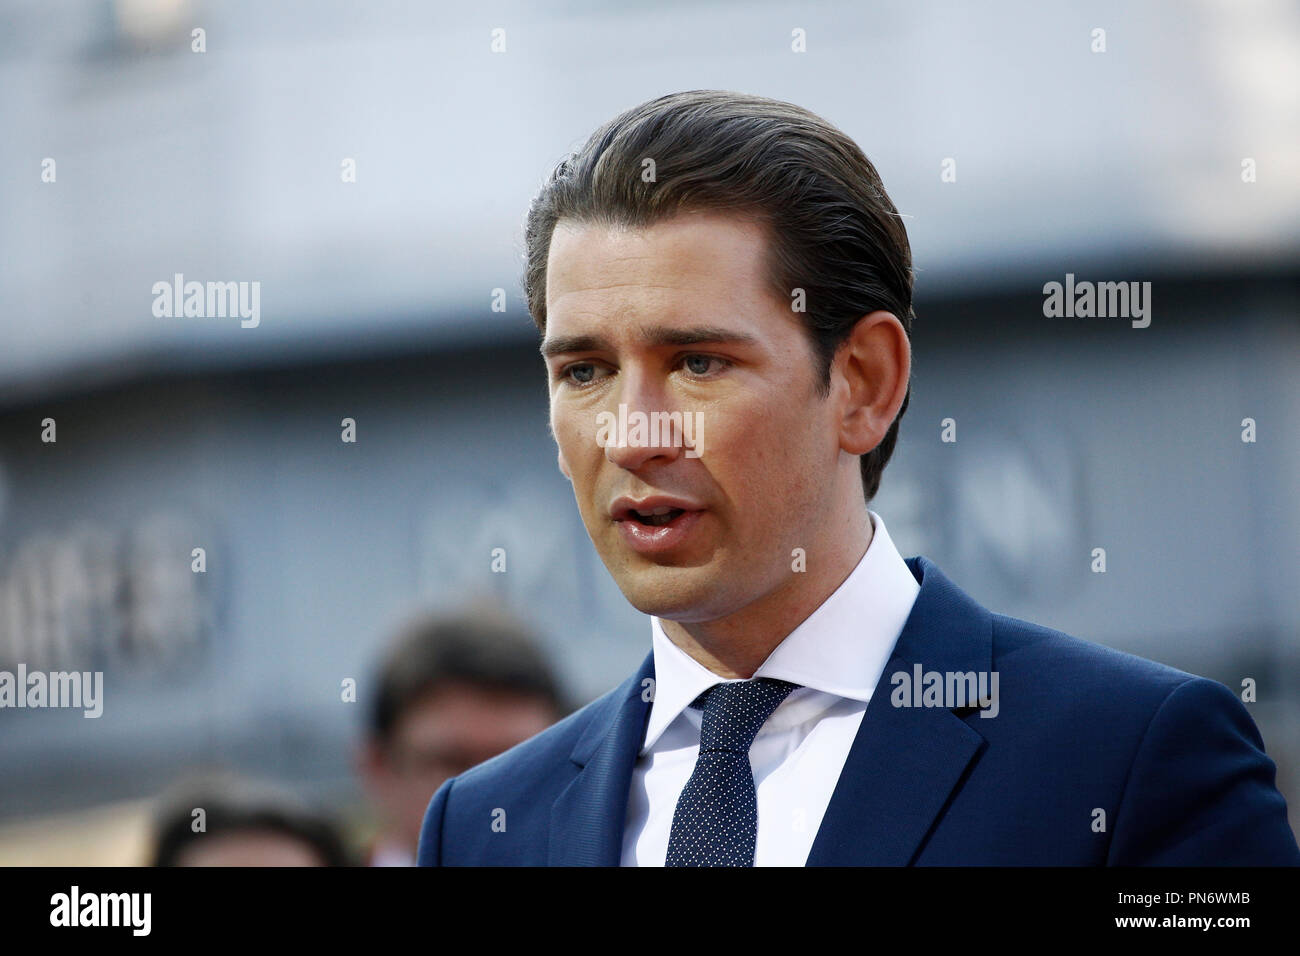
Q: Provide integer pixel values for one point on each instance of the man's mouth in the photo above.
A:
(655, 525)
(655, 517)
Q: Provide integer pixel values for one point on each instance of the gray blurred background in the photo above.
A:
(377, 304)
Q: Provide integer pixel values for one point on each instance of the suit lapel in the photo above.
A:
(587, 818)
(905, 761)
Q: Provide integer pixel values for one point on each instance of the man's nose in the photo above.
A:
(643, 431)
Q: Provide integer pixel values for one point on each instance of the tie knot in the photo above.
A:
(734, 712)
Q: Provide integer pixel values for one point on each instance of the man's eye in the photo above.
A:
(701, 364)
(580, 374)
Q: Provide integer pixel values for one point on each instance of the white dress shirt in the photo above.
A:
(837, 655)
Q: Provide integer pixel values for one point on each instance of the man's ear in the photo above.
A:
(871, 370)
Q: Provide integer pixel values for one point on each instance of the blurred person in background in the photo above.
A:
(243, 823)
(452, 692)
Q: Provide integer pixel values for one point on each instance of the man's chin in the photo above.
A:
(682, 594)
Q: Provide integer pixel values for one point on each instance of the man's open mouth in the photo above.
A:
(656, 525)
(655, 517)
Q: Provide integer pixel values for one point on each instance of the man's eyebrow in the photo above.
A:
(654, 337)
(564, 344)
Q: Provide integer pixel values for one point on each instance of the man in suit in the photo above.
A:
(724, 291)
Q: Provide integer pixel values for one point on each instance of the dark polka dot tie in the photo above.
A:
(716, 821)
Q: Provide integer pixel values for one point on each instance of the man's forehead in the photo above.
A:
(641, 283)
(685, 253)
(719, 225)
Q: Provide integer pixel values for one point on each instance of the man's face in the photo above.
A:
(678, 317)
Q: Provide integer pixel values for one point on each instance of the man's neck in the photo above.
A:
(735, 646)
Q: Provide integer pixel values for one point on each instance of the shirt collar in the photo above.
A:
(841, 648)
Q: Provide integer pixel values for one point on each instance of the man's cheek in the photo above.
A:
(580, 458)
(742, 455)
(566, 432)
(574, 428)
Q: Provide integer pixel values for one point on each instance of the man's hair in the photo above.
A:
(482, 647)
(233, 804)
(832, 230)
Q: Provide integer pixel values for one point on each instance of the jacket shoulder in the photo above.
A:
(1063, 659)
(1191, 780)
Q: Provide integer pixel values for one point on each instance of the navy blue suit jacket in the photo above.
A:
(1173, 760)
